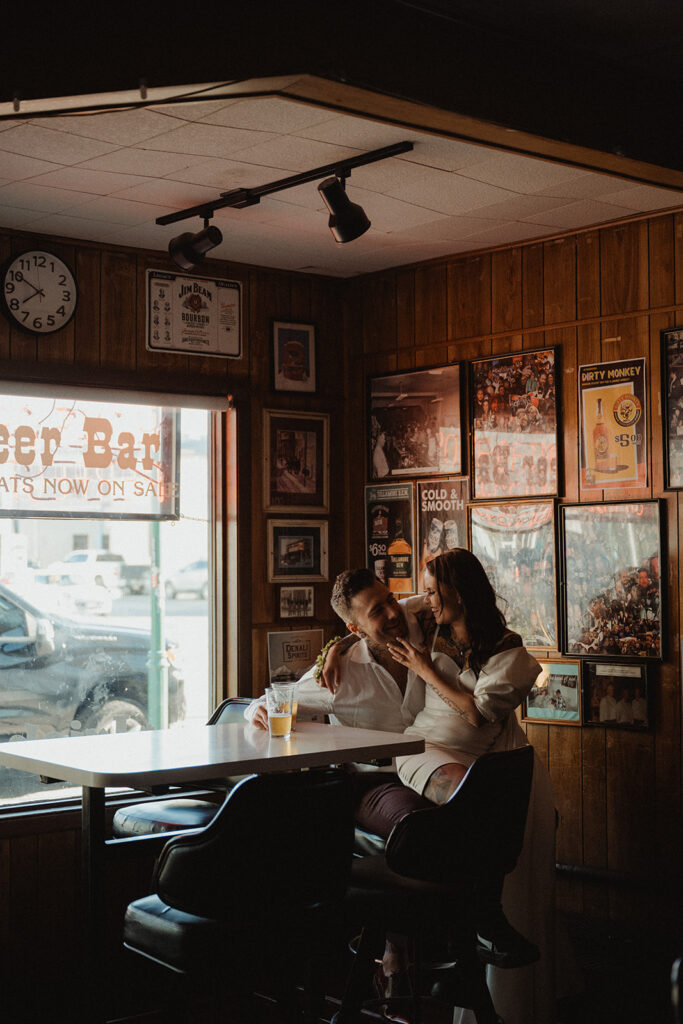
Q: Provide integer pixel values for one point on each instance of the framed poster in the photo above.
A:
(297, 550)
(200, 315)
(514, 403)
(611, 569)
(389, 536)
(613, 424)
(293, 357)
(296, 461)
(292, 653)
(555, 697)
(441, 518)
(672, 406)
(414, 424)
(515, 542)
(615, 695)
(296, 602)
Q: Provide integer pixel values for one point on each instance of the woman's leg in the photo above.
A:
(444, 781)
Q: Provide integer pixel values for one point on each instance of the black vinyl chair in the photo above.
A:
(677, 990)
(153, 817)
(427, 885)
(257, 892)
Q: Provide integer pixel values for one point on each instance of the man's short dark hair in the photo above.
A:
(346, 586)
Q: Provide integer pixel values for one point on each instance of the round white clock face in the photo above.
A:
(39, 292)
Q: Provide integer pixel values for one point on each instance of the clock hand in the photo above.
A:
(36, 291)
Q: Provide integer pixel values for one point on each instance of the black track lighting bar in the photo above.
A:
(239, 198)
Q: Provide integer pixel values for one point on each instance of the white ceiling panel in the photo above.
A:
(108, 177)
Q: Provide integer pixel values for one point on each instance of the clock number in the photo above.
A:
(16, 275)
(14, 304)
(37, 323)
(51, 321)
(26, 264)
(61, 311)
(24, 313)
(39, 261)
(66, 296)
(9, 287)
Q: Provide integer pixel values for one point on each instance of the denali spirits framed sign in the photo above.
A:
(198, 315)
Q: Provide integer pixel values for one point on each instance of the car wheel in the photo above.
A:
(115, 716)
(204, 592)
(170, 591)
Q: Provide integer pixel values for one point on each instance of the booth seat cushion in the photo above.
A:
(158, 816)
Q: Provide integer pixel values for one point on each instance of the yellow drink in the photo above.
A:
(295, 705)
(280, 723)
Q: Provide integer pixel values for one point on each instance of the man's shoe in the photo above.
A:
(503, 946)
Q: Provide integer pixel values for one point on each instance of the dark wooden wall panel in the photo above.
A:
(610, 292)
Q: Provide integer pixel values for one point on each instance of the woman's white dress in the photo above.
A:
(523, 995)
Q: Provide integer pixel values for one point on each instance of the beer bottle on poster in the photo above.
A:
(600, 438)
(400, 567)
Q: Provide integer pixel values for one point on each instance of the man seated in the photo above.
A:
(374, 691)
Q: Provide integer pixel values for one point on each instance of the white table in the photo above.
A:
(189, 754)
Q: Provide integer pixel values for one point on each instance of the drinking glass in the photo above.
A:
(279, 703)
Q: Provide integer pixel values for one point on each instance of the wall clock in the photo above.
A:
(39, 292)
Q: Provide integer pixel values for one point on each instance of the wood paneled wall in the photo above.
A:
(597, 295)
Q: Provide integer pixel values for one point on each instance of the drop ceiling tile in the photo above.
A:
(16, 168)
(359, 133)
(388, 177)
(584, 213)
(120, 127)
(450, 193)
(113, 210)
(643, 198)
(207, 140)
(94, 182)
(146, 162)
(192, 111)
(521, 174)
(293, 153)
(227, 174)
(17, 218)
(6, 125)
(174, 195)
(58, 147)
(77, 227)
(504, 234)
(30, 196)
(445, 229)
(445, 154)
(515, 207)
(588, 186)
(387, 213)
(286, 216)
(270, 114)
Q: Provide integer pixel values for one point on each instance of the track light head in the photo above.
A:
(188, 249)
(347, 220)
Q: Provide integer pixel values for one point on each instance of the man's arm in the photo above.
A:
(313, 700)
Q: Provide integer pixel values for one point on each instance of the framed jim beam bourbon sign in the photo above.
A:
(199, 315)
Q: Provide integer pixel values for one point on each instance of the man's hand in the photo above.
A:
(260, 719)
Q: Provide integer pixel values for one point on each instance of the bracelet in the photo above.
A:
(320, 660)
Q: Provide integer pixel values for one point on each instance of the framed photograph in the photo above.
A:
(292, 653)
(296, 461)
(515, 542)
(293, 357)
(514, 403)
(441, 518)
(611, 568)
(612, 407)
(615, 695)
(389, 539)
(415, 423)
(297, 550)
(555, 697)
(672, 407)
(297, 602)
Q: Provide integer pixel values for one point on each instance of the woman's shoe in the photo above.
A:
(393, 986)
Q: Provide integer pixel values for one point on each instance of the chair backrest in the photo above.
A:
(279, 843)
(229, 710)
(477, 833)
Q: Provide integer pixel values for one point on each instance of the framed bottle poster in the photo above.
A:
(612, 406)
(389, 536)
(441, 518)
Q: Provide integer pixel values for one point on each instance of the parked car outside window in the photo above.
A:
(192, 579)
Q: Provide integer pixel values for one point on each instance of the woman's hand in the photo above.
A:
(416, 659)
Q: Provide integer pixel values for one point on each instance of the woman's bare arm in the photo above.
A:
(420, 662)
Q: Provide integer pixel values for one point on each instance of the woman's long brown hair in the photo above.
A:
(461, 572)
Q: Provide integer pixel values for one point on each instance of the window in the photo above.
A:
(78, 611)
